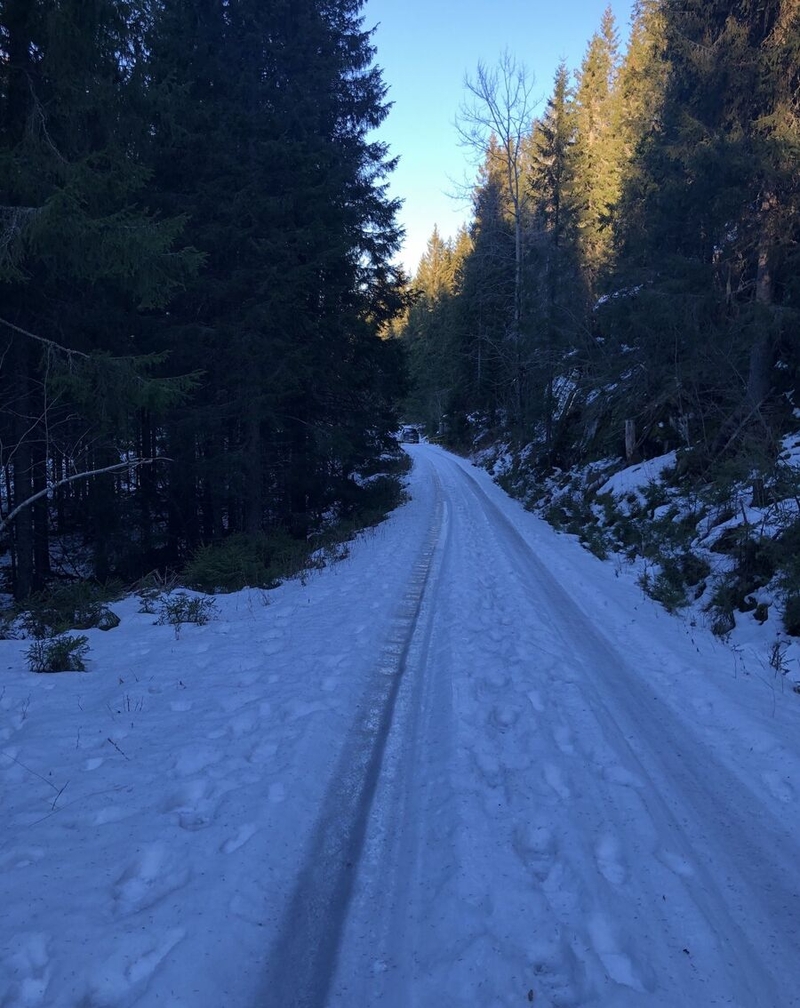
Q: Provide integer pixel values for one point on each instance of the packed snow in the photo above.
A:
(470, 765)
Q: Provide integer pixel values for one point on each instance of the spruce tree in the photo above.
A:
(597, 147)
(558, 299)
(82, 259)
(262, 140)
(714, 200)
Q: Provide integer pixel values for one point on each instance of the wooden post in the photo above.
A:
(630, 441)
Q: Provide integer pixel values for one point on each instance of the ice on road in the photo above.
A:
(468, 767)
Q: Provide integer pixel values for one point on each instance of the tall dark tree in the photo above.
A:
(263, 116)
(81, 259)
(712, 206)
(556, 289)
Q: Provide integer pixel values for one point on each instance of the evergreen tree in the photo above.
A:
(81, 260)
(712, 207)
(558, 299)
(265, 111)
(597, 147)
(433, 333)
(489, 309)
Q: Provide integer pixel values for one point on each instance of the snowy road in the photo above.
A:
(534, 812)
(467, 767)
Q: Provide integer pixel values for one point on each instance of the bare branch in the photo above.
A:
(46, 342)
(130, 464)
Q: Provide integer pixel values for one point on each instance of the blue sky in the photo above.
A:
(425, 50)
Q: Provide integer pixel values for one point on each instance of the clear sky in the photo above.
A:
(426, 47)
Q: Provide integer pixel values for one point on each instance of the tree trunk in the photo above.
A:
(23, 476)
(253, 466)
(631, 453)
(761, 352)
(41, 511)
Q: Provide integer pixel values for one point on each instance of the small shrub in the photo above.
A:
(593, 539)
(667, 587)
(246, 561)
(182, 608)
(722, 623)
(791, 616)
(555, 515)
(8, 631)
(694, 569)
(107, 619)
(153, 587)
(76, 605)
(64, 653)
(725, 598)
(777, 658)
(366, 503)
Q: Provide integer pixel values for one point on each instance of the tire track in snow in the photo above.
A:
(394, 919)
(303, 958)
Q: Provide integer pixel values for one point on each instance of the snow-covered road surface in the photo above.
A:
(469, 767)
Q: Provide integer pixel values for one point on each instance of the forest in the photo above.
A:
(206, 342)
(196, 267)
(629, 286)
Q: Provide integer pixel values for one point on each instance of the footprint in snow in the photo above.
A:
(243, 834)
(537, 703)
(555, 967)
(536, 846)
(153, 874)
(193, 759)
(778, 786)
(28, 962)
(503, 716)
(609, 859)
(20, 857)
(194, 803)
(563, 739)
(132, 963)
(619, 965)
(675, 862)
(277, 792)
(262, 752)
(297, 709)
(553, 777)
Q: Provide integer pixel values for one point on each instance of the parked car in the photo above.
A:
(409, 435)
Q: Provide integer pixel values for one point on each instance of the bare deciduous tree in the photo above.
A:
(494, 121)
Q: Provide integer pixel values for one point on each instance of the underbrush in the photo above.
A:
(239, 561)
(70, 605)
(720, 545)
(267, 558)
